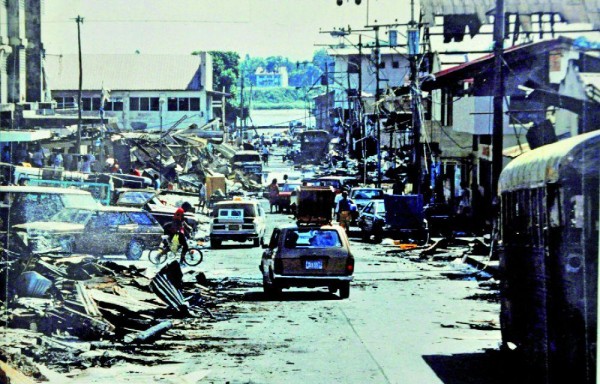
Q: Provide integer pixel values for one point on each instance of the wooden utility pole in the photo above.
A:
(79, 21)
(498, 103)
(415, 99)
(377, 123)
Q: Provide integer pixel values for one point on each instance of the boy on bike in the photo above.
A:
(178, 227)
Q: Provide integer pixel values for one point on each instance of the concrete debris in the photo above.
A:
(82, 312)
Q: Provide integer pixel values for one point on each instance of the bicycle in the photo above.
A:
(164, 252)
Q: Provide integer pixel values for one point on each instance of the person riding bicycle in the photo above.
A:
(178, 227)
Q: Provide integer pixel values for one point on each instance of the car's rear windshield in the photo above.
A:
(249, 210)
(367, 194)
(142, 218)
(315, 238)
(134, 197)
(246, 158)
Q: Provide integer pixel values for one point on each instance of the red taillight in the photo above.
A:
(350, 266)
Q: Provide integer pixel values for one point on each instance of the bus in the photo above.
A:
(549, 259)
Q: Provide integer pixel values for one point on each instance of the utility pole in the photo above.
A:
(363, 131)
(413, 51)
(377, 90)
(242, 118)
(79, 21)
(498, 103)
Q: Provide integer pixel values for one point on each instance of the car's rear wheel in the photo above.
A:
(135, 249)
(256, 242)
(215, 243)
(332, 289)
(270, 288)
(345, 290)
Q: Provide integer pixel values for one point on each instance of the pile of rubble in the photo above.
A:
(78, 312)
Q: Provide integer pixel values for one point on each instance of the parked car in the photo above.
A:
(249, 162)
(397, 216)
(308, 256)
(237, 220)
(284, 199)
(157, 203)
(96, 230)
(361, 196)
(22, 204)
(371, 220)
(339, 183)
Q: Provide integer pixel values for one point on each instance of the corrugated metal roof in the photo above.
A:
(124, 72)
(573, 11)
(540, 166)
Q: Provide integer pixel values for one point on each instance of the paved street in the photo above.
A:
(408, 320)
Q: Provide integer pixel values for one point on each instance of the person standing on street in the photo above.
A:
(201, 197)
(343, 211)
(273, 195)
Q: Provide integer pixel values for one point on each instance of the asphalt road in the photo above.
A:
(408, 320)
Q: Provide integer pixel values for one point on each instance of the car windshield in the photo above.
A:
(249, 210)
(142, 218)
(134, 197)
(314, 238)
(72, 215)
(367, 194)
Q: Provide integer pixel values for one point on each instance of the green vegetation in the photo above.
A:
(304, 80)
(279, 98)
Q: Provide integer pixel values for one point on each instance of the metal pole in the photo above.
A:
(415, 100)
(160, 152)
(498, 104)
(363, 132)
(378, 125)
(79, 20)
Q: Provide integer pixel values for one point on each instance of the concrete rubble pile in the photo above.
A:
(79, 312)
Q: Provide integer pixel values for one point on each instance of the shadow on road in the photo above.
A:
(489, 367)
(290, 296)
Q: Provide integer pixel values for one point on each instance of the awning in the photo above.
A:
(23, 135)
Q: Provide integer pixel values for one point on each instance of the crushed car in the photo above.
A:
(96, 230)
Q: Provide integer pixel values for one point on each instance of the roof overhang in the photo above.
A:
(22, 135)
(485, 63)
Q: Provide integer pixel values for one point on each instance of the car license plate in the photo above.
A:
(234, 227)
(314, 264)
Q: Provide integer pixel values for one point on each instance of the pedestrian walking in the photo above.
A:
(265, 155)
(273, 195)
(201, 197)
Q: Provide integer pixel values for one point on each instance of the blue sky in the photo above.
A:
(255, 27)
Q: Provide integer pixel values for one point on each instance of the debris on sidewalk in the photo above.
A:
(80, 312)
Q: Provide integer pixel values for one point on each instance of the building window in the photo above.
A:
(183, 104)
(143, 104)
(382, 64)
(64, 102)
(172, 104)
(395, 64)
(194, 103)
(113, 105)
(134, 103)
(90, 103)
